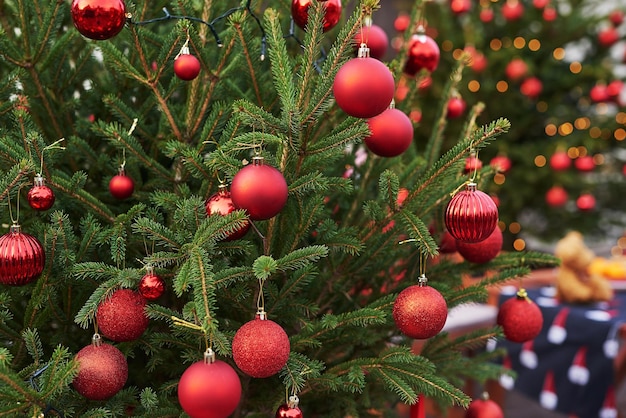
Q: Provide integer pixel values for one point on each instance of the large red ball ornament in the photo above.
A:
(209, 390)
(221, 203)
(391, 133)
(286, 411)
(40, 197)
(260, 189)
(261, 348)
(471, 215)
(520, 318)
(556, 196)
(420, 311)
(484, 408)
(560, 161)
(375, 38)
(122, 317)
(121, 186)
(186, 67)
(483, 251)
(98, 19)
(363, 86)
(151, 286)
(423, 53)
(102, 371)
(22, 257)
(332, 13)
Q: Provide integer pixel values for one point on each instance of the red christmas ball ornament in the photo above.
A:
(516, 69)
(420, 311)
(531, 87)
(512, 10)
(456, 107)
(363, 86)
(598, 93)
(98, 19)
(616, 17)
(290, 409)
(478, 61)
(332, 13)
(415, 115)
(483, 251)
(447, 243)
(501, 163)
(102, 370)
(484, 408)
(209, 389)
(40, 197)
(614, 89)
(608, 36)
(550, 14)
(471, 215)
(22, 257)
(540, 4)
(586, 202)
(391, 133)
(472, 163)
(401, 23)
(459, 7)
(375, 38)
(261, 347)
(186, 66)
(260, 189)
(121, 186)
(556, 196)
(122, 317)
(423, 54)
(221, 203)
(486, 14)
(151, 286)
(585, 163)
(520, 318)
(560, 161)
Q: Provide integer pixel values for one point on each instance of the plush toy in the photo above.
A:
(574, 282)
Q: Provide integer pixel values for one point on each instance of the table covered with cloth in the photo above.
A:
(569, 367)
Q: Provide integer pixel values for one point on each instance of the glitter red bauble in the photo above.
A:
(98, 19)
(261, 348)
(363, 87)
(560, 161)
(285, 411)
(472, 163)
(121, 186)
(484, 408)
(375, 38)
(483, 251)
(471, 215)
(186, 67)
(22, 257)
(501, 163)
(608, 36)
(40, 197)
(531, 87)
(459, 7)
(520, 318)
(456, 107)
(391, 133)
(260, 189)
(516, 69)
(420, 311)
(102, 371)
(556, 196)
(121, 317)
(151, 286)
(221, 203)
(332, 13)
(423, 53)
(512, 10)
(586, 202)
(209, 390)
(584, 163)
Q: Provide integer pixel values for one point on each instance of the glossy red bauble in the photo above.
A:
(608, 36)
(531, 87)
(484, 408)
(391, 133)
(598, 93)
(616, 17)
(102, 371)
(22, 257)
(285, 411)
(585, 163)
(186, 67)
(332, 13)
(151, 286)
(98, 19)
(483, 251)
(459, 7)
(122, 317)
(471, 215)
(260, 189)
(556, 196)
(375, 38)
(560, 161)
(261, 348)
(221, 203)
(586, 202)
(121, 186)
(520, 318)
(420, 311)
(456, 107)
(40, 197)
(512, 10)
(501, 163)
(549, 14)
(423, 54)
(209, 390)
(363, 87)
(516, 69)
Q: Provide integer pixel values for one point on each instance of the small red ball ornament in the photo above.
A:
(512, 10)
(102, 370)
(472, 163)
(363, 86)
(616, 17)
(122, 317)
(290, 409)
(375, 38)
(484, 408)
(531, 87)
(332, 13)
(550, 14)
(483, 251)
(486, 14)
(608, 36)
(598, 93)
(585, 163)
(423, 53)
(402, 22)
(261, 347)
(40, 197)
(209, 389)
(478, 61)
(501, 163)
(420, 311)
(260, 189)
(471, 215)
(520, 318)
(98, 19)
(391, 133)
(556, 196)
(186, 66)
(121, 186)
(586, 202)
(456, 107)
(151, 286)
(221, 203)
(560, 161)
(540, 4)
(516, 69)
(459, 7)
(22, 257)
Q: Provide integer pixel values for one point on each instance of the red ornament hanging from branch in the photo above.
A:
(471, 215)
(520, 318)
(420, 311)
(391, 133)
(290, 409)
(151, 286)
(423, 53)
(98, 19)
(22, 257)
(186, 66)
(40, 197)
(221, 203)
(332, 13)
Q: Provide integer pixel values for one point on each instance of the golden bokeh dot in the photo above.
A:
(456, 54)
(595, 132)
(573, 152)
(540, 161)
(582, 123)
(499, 179)
(550, 129)
(534, 45)
(575, 67)
(495, 44)
(582, 151)
(519, 42)
(502, 86)
(621, 242)
(598, 159)
(565, 129)
(620, 134)
(621, 117)
(473, 86)
(558, 53)
(515, 227)
(447, 45)
(519, 244)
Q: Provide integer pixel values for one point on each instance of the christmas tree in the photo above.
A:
(200, 214)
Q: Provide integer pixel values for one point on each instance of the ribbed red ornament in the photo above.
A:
(221, 203)
(98, 19)
(471, 215)
(22, 257)
(520, 318)
(40, 197)
(420, 311)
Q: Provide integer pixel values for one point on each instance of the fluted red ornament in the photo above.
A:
(98, 19)
(471, 215)
(22, 257)
(40, 197)
(332, 13)
(423, 53)
(221, 203)
(420, 311)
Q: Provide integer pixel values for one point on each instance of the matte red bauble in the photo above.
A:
(285, 411)
(423, 53)
(186, 67)
(540, 4)
(501, 163)
(598, 93)
(531, 87)
(584, 163)
(151, 286)
(209, 390)
(586, 202)
(22, 257)
(616, 17)
(102, 371)
(484, 408)
(520, 318)
(121, 186)
(391, 133)
(549, 14)
(614, 89)
(486, 14)
(472, 163)
(401, 23)
(516, 69)
(420, 311)
(376, 40)
(332, 13)
(483, 251)
(608, 36)
(40, 197)
(460, 7)
(221, 203)
(261, 348)
(512, 10)
(456, 107)
(471, 215)
(556, 196)
(98, 19)
(363, 87)
(260, 189)
(122, 317)
(560, 161)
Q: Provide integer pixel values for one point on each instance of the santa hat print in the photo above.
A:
(527, 356)
(578, 372)
(609, 408)
(557, 332)
(548, 398)
(506, 380)
(611, 345)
